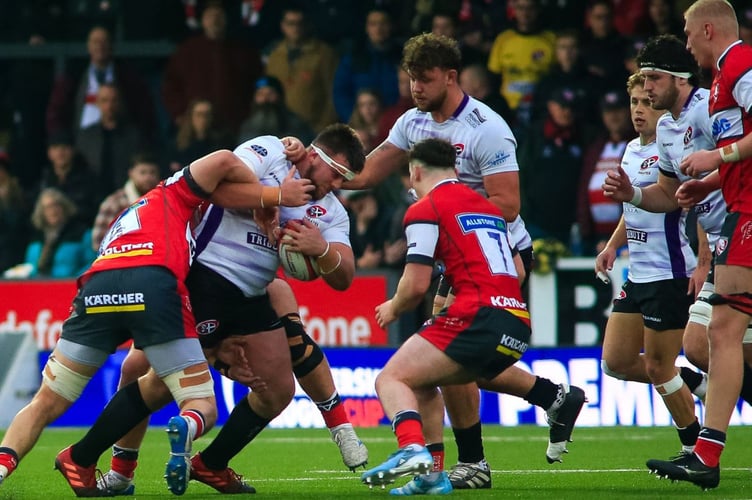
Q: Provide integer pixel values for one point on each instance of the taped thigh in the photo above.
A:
(63, 381)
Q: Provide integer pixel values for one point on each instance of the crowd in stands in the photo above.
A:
(90, 136)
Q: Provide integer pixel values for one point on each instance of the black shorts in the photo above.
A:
(140, 303)
(221, 309)
(485, 343)
(664, 304)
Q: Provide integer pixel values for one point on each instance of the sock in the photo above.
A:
(469, 443)
(688, 435)
(333, 411)
(710, 444)
(746, 393)
(544, 393)
(690, 377)
(437, 452)
(8, 461)
(124, 461)
(196, 422)
(408, 427)
(124, 411)
(242, 426)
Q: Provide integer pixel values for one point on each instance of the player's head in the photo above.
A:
(670, 70)
(430, 159)
(710, 26)
(644, 116)
(433, 63)
(335, 155)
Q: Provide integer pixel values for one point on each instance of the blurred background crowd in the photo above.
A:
(100, 99)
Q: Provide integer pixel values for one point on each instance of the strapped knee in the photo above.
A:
(63, 381)
(305, 353)
(670, 387)
(194, 382)
(608, 371)
(700, 311)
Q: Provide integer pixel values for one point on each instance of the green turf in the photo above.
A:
(603, 463)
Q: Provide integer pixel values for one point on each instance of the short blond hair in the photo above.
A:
(635, 80)
(720, 11)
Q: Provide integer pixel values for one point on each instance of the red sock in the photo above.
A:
(196, 417)
(123, 466)
(709, 452)
(9, 460)
(409, 432)
(335, 415)
(438, 460)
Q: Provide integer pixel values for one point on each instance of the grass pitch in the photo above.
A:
(603, 463)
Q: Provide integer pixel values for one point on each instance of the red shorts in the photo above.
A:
(734, 247)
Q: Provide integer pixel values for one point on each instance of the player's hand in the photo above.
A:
(385, 314)
(617, 185)
(295, 150)
(295, 192)
(245, 376)
(268, 220)
(699, 275)
(700, 162)
(691, 192)
(604, 262)
(306, 237)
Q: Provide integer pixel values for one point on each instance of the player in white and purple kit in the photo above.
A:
(651, 310)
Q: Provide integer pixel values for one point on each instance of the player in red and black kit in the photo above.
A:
(713, 38)
(484, 331)
(135, 290)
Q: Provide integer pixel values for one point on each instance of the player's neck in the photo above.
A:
(681, 101)
(646, 139)
(450, 105)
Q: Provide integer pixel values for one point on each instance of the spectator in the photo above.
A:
(107, 144)
(391, 113)
(13, 216)
(68, 173)
(143, 175)
(550, 164)
(61, 246)
(662, 19)
(630, 16)
(214, 67)
(473, 52)
(570, 72)
(603, 46)
(475, 81)
(370, 64)
(197, 136)
(522, 56)
(72, 104)
(270, 116)
(369, 228)
(598, 215)
(365, 118)
(306, 68)
(259, 22)
(335, 22)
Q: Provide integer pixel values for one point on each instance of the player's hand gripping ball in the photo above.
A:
(297, 265)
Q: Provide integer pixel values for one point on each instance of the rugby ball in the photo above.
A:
(297, 265)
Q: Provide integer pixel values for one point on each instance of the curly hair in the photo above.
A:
(427, 51)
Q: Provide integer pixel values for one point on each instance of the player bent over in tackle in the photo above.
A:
(484, 331)
(136, 289)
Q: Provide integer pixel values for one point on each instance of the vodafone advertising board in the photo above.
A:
(332, 318)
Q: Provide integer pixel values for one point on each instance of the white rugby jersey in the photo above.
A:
(658, 244)
(484, 142)
(233, 245)
(692, 131)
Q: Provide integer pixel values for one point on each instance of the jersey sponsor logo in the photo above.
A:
(114, 302)
(261, 151)
(127, 250)
(746, 231)
(260, 240)
(667, 144)
(648, 162)
(207, 327)
(652, 318)
(473, 222)
(478, 115)
(315, 211)
(687, 135)
(459, 148)
(622, 295)
(635, 235)
(703, 208)
(472, 120)
(500, 158)
(504, 302)
(720, 125)
(512, 346)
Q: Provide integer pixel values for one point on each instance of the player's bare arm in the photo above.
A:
(709, 160)
(659, 197)
(604, 261)
(380, 162)
(411, 289)
(693, 191)
(503, 190)
(246, 194)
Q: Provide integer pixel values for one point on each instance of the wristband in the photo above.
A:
(270, 196)
(636, 197)
(325, 252)
(729, 153)
(222, 367)
(330, 271)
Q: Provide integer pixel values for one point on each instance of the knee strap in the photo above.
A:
(670, 387)
(63, 381)
(304, 352)
(194, 382)
(608, 371)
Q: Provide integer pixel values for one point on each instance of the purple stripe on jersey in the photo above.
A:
(465, 100)
(672, 228)
(210, 227)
